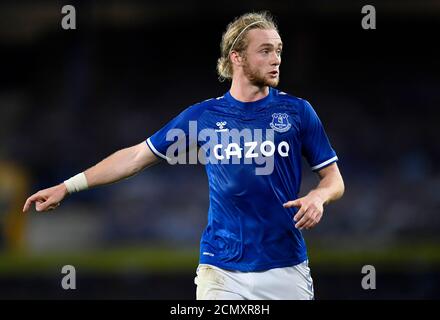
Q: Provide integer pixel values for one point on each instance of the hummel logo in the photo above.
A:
(220, 126)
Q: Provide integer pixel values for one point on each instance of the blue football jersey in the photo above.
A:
(252, 153)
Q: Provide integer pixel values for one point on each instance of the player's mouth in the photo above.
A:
(274, 73)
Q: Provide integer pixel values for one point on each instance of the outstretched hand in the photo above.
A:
(311, 208)
(47, 199)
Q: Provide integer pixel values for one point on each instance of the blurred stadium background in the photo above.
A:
(70, 98)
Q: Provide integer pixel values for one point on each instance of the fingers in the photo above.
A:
(27, 204)
(40, 206)
(29, 201)
(310, 218)
(53, 206)
(299, 215)
(307, 216)
(301, 218)
(309, 213)
(41, 203)
(47, 205)
(290, 204)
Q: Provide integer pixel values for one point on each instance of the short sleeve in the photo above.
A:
(178, 135)
(316, 146)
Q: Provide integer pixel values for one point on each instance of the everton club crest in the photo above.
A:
(280, 122)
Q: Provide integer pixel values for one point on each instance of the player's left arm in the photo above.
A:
(311, 207)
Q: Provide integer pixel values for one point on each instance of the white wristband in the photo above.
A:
(77, 183)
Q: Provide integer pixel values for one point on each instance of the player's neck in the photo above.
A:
(247, 92)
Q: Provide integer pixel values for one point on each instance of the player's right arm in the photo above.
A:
(120, 165)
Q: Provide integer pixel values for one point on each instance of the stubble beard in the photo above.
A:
(257, 79)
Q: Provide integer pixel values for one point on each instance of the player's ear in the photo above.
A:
(236, 58)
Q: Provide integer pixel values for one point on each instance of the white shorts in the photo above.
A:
(288, 283)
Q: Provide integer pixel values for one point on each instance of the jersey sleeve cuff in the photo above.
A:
(154, 150)
(325, 163)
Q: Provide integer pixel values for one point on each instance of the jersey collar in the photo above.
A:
(254, 105)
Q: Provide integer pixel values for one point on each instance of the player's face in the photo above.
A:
(263, 57)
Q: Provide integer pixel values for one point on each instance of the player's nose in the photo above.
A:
(276, 60)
